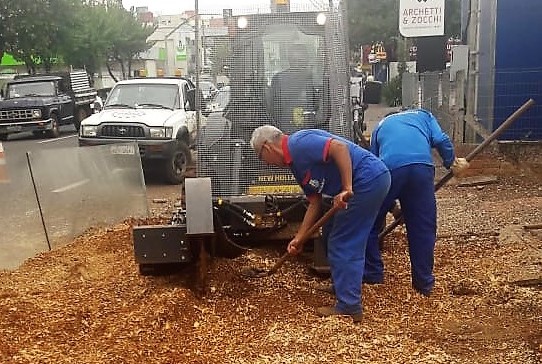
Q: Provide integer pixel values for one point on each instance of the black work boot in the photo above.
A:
(327, 311)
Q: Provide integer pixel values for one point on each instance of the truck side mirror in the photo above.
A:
(191, 98)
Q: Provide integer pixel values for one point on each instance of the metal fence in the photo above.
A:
(53, 195)
(433, 91)
(285, 68)
(469, 109)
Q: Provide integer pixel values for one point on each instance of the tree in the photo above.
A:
(371, 21)
(39, 27)
(10, 11)
(106, 35)
(220, 57)
(129, 39)
(90, 41)
(80, 33)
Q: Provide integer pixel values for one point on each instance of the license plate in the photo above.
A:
(275, 189)
(123, 149)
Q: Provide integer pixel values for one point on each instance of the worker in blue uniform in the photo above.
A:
(404, 141)
(326, 164)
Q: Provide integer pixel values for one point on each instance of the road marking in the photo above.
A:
(71, 186)
(56, 139)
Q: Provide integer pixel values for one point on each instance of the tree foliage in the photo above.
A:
(371, 21)
(81, 33)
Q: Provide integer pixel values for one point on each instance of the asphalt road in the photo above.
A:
(20, 223)
(21, 228)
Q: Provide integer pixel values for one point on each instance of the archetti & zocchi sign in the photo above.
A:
(421, 18)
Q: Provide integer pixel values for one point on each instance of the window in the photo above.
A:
(133, 95)
(42, 88)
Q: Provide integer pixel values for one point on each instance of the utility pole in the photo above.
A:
(473, 73)
(198, 67)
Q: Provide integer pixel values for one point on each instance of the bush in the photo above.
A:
(392, 91)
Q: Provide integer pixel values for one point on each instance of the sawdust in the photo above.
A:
(86, 303)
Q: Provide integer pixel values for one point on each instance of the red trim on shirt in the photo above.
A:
(286, 151)
(306, 179)
(326, 149)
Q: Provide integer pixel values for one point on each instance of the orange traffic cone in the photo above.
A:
(3, 166)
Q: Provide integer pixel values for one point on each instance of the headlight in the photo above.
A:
(161, 133)
(36, 113)
(321, 19)
(242, 22)
(89, 130)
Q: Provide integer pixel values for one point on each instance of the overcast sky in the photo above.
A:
(161, 7)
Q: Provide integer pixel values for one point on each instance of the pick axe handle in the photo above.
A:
(317, 225)
(399, 220)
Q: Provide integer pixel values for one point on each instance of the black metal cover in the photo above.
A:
(161, 244)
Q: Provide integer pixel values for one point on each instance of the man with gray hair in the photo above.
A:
(326, 164)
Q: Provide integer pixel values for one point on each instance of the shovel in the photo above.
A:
(253, 272)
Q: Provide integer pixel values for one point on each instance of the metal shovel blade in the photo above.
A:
(258, 272)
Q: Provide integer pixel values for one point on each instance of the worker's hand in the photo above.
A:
(459, 166)
(395, 210)
(295, 246)
(341, 200)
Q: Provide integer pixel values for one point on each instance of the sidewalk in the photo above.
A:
(375, 113)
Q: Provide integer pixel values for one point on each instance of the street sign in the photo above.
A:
(421, 18)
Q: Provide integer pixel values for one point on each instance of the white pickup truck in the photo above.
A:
(159, 114)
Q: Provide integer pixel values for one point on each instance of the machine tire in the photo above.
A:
(176, 165)
(4, 137)
(54, 132)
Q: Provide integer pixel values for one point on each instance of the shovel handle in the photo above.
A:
(317, 225)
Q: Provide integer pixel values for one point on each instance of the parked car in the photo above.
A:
(218, 102)
(157, 113)
(42, 103)
(208, 89)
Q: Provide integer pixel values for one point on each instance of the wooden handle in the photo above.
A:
(317, 225)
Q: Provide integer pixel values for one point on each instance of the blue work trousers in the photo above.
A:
(347, 240)
(413, 186)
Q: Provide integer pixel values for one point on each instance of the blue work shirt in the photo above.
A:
(307, 153)
(408, 137)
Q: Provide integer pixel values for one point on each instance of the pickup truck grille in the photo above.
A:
(15, 115)
(123, 131)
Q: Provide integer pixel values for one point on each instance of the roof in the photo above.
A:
(26, 79)
(154, 80)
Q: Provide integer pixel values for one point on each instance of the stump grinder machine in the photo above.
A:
(286, 68)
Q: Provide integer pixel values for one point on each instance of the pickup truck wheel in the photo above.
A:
(176, 165)
(54, 132)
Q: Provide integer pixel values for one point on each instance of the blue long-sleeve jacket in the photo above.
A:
(408, 137)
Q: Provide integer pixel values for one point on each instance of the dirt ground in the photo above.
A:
(87, 303)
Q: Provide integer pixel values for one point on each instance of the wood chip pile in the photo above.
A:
(87, 303)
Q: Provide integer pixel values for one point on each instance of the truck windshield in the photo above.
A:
(144, 95)
(43, 88)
